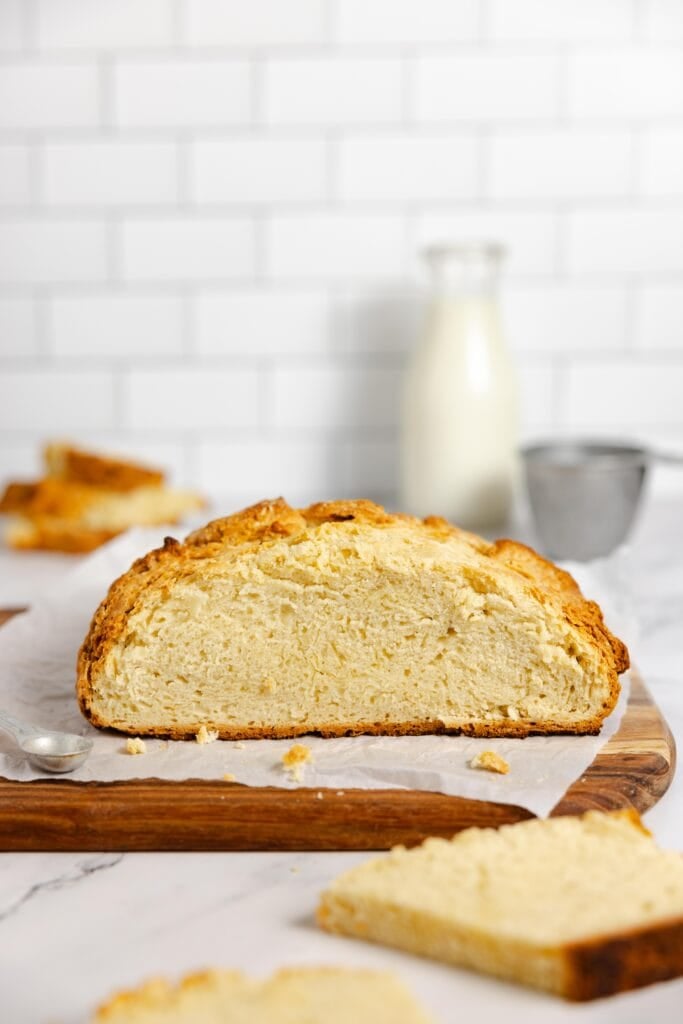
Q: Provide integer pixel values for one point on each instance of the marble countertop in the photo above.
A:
(75, 927)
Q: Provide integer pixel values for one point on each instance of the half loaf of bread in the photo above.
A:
(343, 619)
(322, 995)
(582, 907)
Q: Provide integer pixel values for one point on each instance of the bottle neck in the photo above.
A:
(464, 309)
(465, 272)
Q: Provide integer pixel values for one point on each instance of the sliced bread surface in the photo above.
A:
(343, 619)
(295, 996)
(580, 906)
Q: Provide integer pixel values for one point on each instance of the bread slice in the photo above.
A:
(86, 499)
(583, 907)
(64, 462)
(296, 996)
(342, 619)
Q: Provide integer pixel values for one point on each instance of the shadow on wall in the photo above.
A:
(380, 330)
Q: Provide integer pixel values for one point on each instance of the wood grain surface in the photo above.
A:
(633, 769)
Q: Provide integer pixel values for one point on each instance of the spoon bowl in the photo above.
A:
(57, 752)
(47, 750)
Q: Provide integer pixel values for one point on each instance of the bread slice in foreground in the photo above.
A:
(580, 906)
(342, 619)
(296, 996)
(86, 499)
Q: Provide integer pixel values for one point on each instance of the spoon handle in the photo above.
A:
(21, 731)
(669, 458)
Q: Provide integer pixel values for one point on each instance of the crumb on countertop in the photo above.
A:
(240, 745)
(229, 777)
(205, 735)
(490, 761)
(295, 758)
(134, 745)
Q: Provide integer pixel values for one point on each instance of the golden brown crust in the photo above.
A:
(553, 580)
(109, 621)
(48, 497)
(64, 462)
(619, 963)
(483, 730)
(274, 519)
(15, 497)
(153, 992)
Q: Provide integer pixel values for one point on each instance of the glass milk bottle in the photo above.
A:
(460, 431)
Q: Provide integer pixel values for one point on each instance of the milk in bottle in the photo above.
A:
(460, 418)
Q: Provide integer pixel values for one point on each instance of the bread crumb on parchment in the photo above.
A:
(490, 761)
(134, 745)
(295, 758)
(229, 777)
(205, 735)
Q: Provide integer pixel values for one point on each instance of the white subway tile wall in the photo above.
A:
(11, 25)
(42, 93)
(626, 83)
(211, 213)
(485, 86)
(103, 25)
(258, 23)
(332, 90)
(111, 173)
(116, 326)
(187, 92)
(17, 328)
(257, 170)
(182, 248)
(662, 162)
(254, 321)
(51, 250)
(395, 168)
(15, 174)
(565, 21)
(37, 398)
(191, 398)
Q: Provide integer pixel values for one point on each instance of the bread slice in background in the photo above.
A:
(86, 499)
(344, 619)
(64, 462)
(580, 906)
(322, 995)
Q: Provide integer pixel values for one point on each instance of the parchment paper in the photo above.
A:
(37, 671)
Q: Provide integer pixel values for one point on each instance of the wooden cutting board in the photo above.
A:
(633, 769)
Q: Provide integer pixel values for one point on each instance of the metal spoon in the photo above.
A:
(46, 749)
